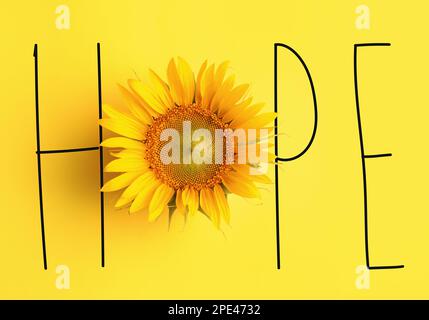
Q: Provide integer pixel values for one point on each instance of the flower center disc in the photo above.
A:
(184, 174)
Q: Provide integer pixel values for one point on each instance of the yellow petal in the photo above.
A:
(129, 153)
(271, 157)
(149, 99)
(180, 208)
(193, 203)
(208, 204)
(259, 121)
(198, 84)
(190, 199)
(115, 113)
(135, 107)
(161, 89)
(235, 111)
(124, 128)
(160, 199)
(247, 114)
(120, 181)
(220, 72)
(185, 196)
(221, 92)
(203, 203)
(233, 97)
(125, 119)
(244, 169)
(145, 183)
(219, 86)
(207, 87)
(142, 199)
(222, 203)
(239, 185)
(122, 142)
(176, 88)
(125, 165)
(261, 178)
(188, 82)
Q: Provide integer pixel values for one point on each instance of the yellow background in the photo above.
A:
(322, 233)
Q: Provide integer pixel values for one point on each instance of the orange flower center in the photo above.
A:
(185, 172)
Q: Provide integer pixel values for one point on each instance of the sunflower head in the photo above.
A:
(177, 150)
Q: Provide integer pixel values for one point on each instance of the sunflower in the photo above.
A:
(211, 101)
